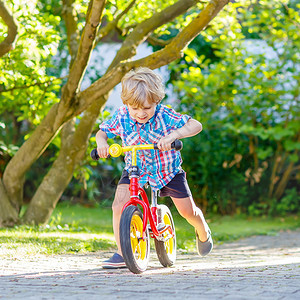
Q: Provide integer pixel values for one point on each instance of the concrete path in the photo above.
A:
(261, 267)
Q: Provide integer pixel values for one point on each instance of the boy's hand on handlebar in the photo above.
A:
(103, 150)
(164, 143)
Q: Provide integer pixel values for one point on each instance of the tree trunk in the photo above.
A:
(30, 151)
(284, 181)
(73, 148)
(277, 159)
(8, 213)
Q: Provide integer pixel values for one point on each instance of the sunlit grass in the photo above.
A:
(230, 228)
(77, 229)
(71, 229)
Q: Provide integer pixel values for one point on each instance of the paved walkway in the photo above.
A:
(261, 267)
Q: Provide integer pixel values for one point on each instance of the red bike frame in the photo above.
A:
(149, 213)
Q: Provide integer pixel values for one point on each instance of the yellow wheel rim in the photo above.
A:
(169, 244)
(138, 245)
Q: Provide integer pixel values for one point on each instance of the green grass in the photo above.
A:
(75, 229)
(230, 228)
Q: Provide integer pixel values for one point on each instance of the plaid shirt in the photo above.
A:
(156, 167)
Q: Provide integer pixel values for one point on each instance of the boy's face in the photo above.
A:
(144, 114)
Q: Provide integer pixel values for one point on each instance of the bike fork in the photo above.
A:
(156, 213)
(158, 221)
(154, 209)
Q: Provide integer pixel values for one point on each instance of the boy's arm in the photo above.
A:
(102, 145)
(191, 128)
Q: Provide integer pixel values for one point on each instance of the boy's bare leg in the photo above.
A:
(193, 214)
(122, 195)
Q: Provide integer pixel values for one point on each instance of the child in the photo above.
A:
(143, 120)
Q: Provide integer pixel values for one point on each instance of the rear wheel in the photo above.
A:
(134, 244)
(166, 246)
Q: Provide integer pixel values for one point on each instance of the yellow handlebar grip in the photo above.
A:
(115, 150)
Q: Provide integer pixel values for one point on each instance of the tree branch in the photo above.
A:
(104, 31)
(12, 31)
(141, 32)
(154, 41)
(174, 49)
(70, 18)
(24, 87)
(155, 60)
(87, 41)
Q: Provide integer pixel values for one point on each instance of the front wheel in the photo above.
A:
(135, 245)
(166, 245)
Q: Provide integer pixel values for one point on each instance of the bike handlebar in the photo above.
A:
(94, 154)
(116, 150)
(176, 145)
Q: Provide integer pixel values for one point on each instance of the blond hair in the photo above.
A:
(140, 85)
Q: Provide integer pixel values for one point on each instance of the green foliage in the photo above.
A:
(25, 67)
(26, 91)
(248, 101)
(287, 204)
(6, 151)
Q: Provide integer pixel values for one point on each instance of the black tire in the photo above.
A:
(166, 250)
(135, 249)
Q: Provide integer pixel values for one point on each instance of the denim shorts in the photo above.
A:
(176, 188)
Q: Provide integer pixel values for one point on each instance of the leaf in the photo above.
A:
(264, 153)
(290, 145)
(294, 158)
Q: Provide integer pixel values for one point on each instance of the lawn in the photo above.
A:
(76, 228)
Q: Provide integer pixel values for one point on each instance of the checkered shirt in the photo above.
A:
(156, 167)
